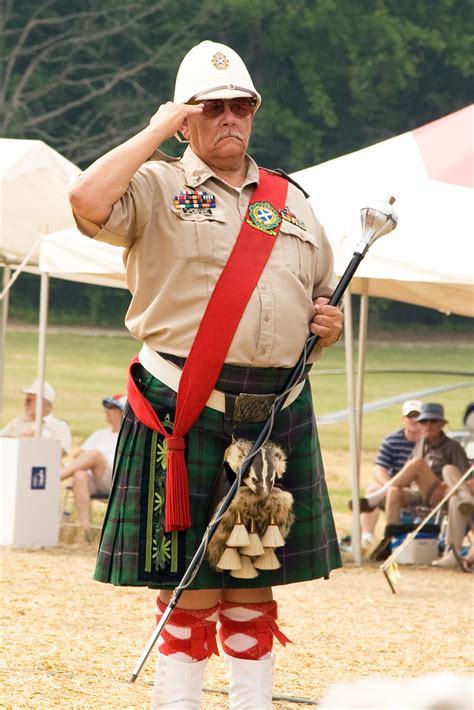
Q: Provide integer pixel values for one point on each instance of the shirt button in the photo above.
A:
(262, 351)
(266, 318)
(264, 287)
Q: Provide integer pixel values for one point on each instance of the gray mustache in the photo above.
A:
(228, 134)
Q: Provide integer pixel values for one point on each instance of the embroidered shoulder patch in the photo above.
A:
(263, 216)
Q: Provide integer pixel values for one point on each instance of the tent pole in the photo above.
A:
(41, 366)
(363, 326)
(3, 334)
(348, 343)
(9, 283)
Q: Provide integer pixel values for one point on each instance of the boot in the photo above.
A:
(177, 685)
(250, 683)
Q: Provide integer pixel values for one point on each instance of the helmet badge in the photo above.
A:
(220, 61)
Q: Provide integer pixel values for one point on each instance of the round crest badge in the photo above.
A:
(220, 61)
(263, 216)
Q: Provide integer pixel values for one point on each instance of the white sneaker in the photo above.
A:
(447, 561)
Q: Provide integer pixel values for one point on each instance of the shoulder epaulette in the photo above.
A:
(279, 171)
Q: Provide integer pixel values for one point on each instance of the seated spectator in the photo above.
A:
(460, 512)
(91, 470)
(23, 426)
(468, 417)
(394, 452)
(468, 421)
(432, 453)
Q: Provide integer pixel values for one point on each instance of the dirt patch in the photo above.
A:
(72, 642)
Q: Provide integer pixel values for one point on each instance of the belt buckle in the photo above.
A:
(252, 407)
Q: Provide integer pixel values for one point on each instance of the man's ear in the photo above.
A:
(184, 129)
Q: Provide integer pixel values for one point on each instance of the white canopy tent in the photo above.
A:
(70, 255)
(34, 187)
(34, 181)
(428, 260)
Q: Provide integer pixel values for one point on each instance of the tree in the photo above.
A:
(340, 75)
(84, 78)
(335, 75)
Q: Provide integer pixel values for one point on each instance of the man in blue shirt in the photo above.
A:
(394, 452)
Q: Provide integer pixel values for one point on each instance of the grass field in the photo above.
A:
(85, 368)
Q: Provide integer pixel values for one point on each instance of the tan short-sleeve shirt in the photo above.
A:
(174, 257)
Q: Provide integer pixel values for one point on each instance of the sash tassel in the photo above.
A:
(177, 509)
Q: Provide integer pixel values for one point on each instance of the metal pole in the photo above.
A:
(41, 366)
(3, 334)
(363, 326)
(7, 286)
(352, 423)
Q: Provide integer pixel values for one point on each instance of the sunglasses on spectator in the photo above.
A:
(240, 107)
(412, 415)
(30, 399)
(430, 421)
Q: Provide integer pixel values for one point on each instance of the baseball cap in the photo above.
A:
(211, 70)
(411, 405)
(115, 400)
(48, 391)
(431, 410)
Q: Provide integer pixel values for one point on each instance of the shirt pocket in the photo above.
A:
(196, 233)
(300, 251)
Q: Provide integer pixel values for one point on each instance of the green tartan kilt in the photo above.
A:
(134, 549)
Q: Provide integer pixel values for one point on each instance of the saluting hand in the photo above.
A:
(170, 116)
(327, 322)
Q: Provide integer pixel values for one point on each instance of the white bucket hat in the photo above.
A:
(211, 70)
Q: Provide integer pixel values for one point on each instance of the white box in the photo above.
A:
(29, 492)
(420, 551)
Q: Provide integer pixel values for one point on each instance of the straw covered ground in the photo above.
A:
(71, 642)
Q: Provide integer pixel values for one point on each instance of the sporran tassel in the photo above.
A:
(239, 536)
(255, 547)
(273, 536)
(230, 559)
(246, 571)
(267, 561)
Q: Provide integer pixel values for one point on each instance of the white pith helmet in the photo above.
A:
(211, 70)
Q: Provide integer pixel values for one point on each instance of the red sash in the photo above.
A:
(224, 310)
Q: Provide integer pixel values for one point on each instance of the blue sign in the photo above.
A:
(38, 478)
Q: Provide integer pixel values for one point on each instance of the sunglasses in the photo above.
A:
(240, 107)
(412, 415)
(430, 421)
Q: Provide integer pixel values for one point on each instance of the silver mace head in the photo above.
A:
(376, 221)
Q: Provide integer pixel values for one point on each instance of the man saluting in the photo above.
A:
(229, 271)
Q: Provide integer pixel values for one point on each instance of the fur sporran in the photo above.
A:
(259, 517)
